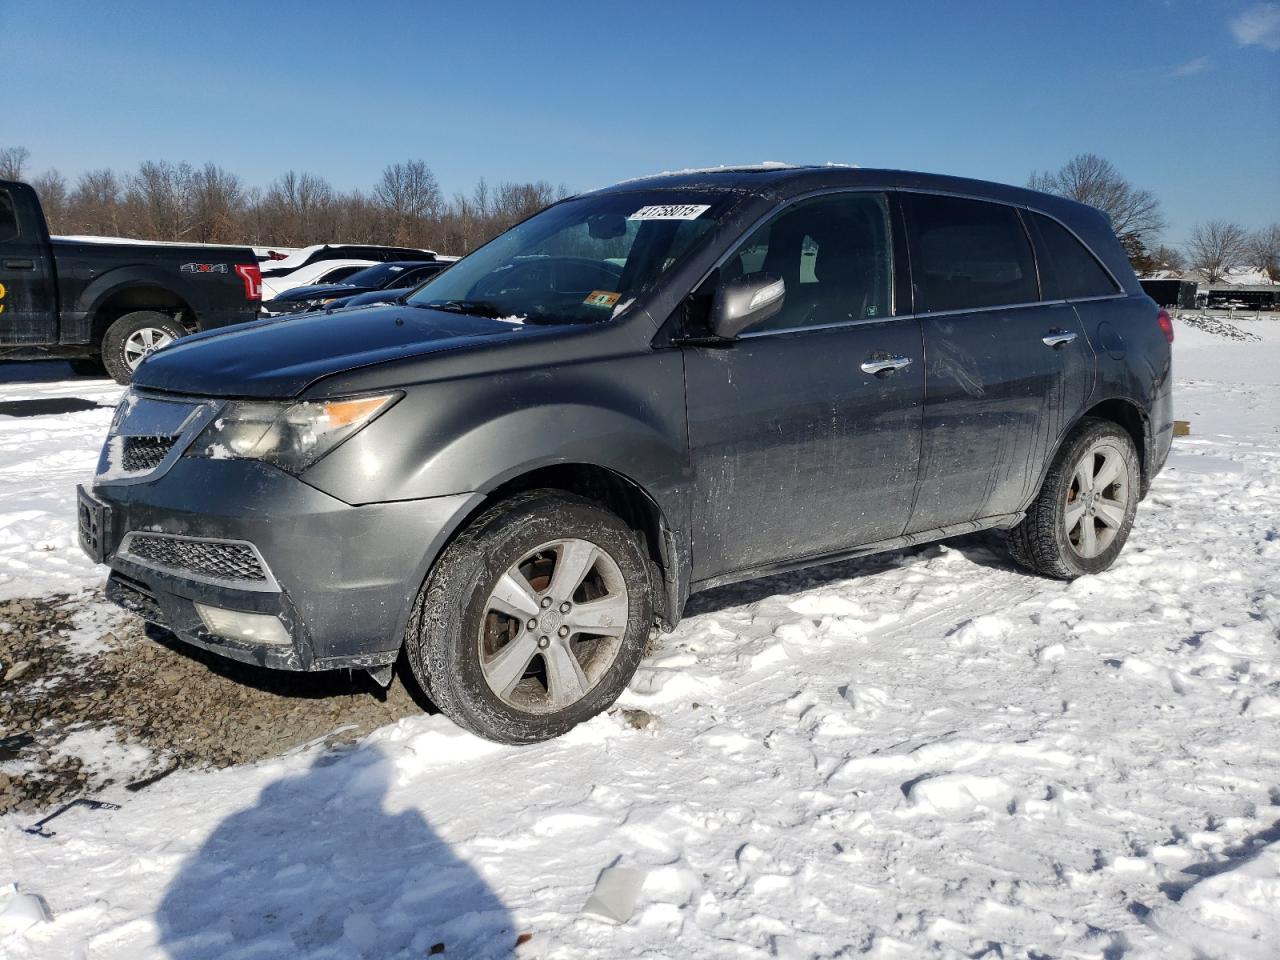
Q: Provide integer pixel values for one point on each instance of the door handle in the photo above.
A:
(885, 365)
(1056, 338)
(20, 264)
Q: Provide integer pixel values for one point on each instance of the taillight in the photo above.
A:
(1166, 324)
(252, 277)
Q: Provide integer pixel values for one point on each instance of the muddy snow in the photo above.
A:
(929, 753)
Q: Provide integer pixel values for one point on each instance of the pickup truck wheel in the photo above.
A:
(533, 620)
(1082, 516)
(135, 336)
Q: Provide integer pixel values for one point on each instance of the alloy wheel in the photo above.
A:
(1097, 500)
(553, 625)
(142, 343)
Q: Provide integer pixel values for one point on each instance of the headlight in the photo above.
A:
(292, 436)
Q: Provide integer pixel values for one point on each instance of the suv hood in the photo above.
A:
(279, 358)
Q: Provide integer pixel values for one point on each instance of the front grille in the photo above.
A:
(139, 454)
(216, 559)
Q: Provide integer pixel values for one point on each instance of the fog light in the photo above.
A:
(247, 627)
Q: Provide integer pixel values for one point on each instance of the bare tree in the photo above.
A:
(95, 204)
(162, 200)
(158, 198)
(51, 188)
(1216, 246)
(411, 196)
(12, 162)
(299, 209)
(1168, 258)
(1263, 247)
(1135, 214)
(217, 205)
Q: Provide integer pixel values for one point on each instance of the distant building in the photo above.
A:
(1171, 293)
(1245, 296)
(1189, 292)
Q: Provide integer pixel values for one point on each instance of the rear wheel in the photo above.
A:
(533, 620)
(1082, 516)
(134, 337)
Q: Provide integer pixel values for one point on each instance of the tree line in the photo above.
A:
(1212, 247)
(161, 200)
(406, 207)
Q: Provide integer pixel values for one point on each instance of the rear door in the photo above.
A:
(1006, 371)
(798, 449)
(28, 305)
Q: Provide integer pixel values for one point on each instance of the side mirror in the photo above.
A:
(745, 301)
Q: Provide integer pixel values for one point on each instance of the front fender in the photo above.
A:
(475, 433)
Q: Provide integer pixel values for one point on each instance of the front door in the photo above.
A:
(27, 307)
(804, 433)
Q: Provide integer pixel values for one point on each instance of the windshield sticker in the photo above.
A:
(671, 211)
(601, 298)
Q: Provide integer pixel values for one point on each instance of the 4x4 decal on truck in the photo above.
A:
(203, 268)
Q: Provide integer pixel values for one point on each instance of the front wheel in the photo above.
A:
(533, 620)
(1082, 516)
(134, 337)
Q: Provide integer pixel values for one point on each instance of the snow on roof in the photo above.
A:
(85, 238)
(761, 167)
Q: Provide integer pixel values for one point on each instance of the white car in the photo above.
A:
(322, 271)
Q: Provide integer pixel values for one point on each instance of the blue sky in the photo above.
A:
(1183, 97)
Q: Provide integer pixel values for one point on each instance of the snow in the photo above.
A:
(258, 251)
(926, 753)
(42, 458)
(736, 168)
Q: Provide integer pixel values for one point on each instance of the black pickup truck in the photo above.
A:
(107, 303)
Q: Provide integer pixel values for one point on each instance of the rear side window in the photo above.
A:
(1067, 267)
(8, 218)
(338, 275)
(968, 254)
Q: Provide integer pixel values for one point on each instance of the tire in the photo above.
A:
(88, 367)
(133, 336)
(467, 654)
(1074, 527)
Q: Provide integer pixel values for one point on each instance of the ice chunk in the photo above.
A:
(615, 895)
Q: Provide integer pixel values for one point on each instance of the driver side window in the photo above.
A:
(834, 254)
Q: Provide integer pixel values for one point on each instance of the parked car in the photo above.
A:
(393, 279)
(305, 256)
(320, 272)
(109, 303)
(514, 479)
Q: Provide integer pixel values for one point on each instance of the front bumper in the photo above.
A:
(341, 578)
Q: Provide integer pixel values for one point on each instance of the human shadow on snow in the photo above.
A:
(319, 867)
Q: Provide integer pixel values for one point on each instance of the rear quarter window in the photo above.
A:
(968, 254)
(1068, 270)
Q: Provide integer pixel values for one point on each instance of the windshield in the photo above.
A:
(375, 276)
(581, 261)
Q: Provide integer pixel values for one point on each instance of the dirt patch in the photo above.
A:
(75, 707)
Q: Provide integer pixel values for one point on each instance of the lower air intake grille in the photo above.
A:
(145, 453)
(216, 559)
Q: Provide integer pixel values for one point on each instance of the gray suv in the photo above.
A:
(519, 472)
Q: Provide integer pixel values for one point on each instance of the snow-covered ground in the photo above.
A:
(929, 753)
